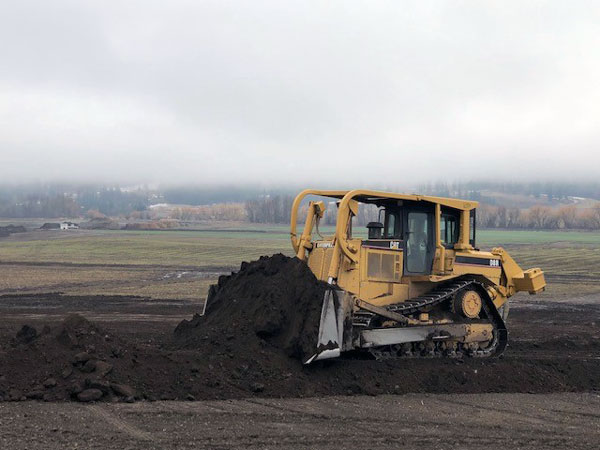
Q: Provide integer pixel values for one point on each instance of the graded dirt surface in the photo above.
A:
(491, 421)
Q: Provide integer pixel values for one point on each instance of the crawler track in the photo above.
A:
(364, 319)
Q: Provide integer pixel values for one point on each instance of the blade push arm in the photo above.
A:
(315, 212)
(517, 279)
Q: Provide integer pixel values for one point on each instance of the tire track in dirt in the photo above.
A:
(504, 414)
(121, 424)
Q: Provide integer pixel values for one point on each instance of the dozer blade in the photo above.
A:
(334, 337)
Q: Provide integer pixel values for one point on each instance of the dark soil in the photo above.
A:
(10, 229)
(272, 303)
(259, 323)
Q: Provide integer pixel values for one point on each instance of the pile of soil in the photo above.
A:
(73, 360)
(259, 324)
(50, 226)
(272, 303)
(10, 229)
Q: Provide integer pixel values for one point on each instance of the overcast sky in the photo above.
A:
(305, 92)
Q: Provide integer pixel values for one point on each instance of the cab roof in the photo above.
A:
(369, 196)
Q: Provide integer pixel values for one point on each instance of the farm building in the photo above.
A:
(69, 226)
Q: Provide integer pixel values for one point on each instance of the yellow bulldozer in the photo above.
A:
(415, 285)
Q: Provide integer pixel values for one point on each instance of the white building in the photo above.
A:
(68, 226)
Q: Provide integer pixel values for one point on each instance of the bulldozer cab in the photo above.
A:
(406, 226)
(413, 225)
(417, 234)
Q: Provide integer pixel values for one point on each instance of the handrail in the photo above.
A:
(296, 206)
(341, 228)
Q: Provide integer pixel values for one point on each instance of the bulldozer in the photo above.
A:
(414, 285)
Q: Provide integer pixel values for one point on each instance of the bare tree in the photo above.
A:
(539, 216)
(593, 217)
(514, 218)
(567, 216)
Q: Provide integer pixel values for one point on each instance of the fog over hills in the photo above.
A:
(355, 93)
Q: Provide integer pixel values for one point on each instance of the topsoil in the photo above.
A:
(259, 324)
(271, 305)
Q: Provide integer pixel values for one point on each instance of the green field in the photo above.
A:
(166, 248)
(507, 237)
(142, 260)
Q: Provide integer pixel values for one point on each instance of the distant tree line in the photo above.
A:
(539, 217)
(53, 201)
(208, 195)
(277, 209)
(475, 190)
(502, 205)
(32, 205)
(219, 212)
(269, 209)
(112, 200)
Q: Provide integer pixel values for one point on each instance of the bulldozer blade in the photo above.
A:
(334, 312)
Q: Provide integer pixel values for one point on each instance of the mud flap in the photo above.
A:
(335, 327)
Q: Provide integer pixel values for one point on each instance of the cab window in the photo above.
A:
(393, 225)
(473, 220)
(449, 229)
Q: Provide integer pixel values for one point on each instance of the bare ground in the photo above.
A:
(490, 421)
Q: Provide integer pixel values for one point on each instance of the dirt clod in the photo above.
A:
(50, 383)
(122, 390)
(89, 366)
(89, 395)
(81, 358)
(26, 335)
(35, 395)
(103, 368)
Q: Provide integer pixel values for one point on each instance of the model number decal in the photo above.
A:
(324, 244)
(473, 260)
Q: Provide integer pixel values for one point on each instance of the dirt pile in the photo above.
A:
(273, 303)
(10, 229)
(260, 322)
(74, 360)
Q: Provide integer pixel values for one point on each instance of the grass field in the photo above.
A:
(166, 248)
(182, 264)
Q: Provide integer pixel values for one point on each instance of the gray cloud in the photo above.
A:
(384, 92)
